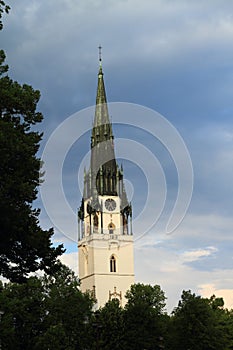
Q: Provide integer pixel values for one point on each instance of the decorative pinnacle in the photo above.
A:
(100, 53)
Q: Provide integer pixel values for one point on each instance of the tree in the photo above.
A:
(107, 327)
(223, 321)
(145, 318)
(228, 321)
(67, 312)
(24, 246)
(23, 313)
(196, 324)
(3, 8)
(45, 313)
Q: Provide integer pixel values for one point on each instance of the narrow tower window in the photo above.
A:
(112, 264)
(125, 225)
(96, 223)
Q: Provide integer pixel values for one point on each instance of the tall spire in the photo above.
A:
(102, 128)
(104, 177)
(103, 167)
(101, 110)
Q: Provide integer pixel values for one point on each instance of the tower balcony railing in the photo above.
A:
(107, 237)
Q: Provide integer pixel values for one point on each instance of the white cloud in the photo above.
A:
(163, 266)
(196, 254)
(71, 260)
(207, 290)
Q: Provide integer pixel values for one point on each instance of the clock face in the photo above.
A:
(110, 204)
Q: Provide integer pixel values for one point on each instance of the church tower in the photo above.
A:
(105, 241)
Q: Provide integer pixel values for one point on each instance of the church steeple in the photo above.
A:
(105, 238)
(104, 177)
(103, 168)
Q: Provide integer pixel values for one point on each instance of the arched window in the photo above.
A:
(112, 264)
(96, 223)
(111, 228)
(125, 225)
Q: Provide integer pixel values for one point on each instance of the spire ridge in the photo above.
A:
(101, 112)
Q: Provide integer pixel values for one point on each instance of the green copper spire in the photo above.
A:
(101, 109)
(101, 94)
(104, 177)
(103, 162)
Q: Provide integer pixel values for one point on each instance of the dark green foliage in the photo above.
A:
(199, 324)
(51, 313)
(145, 295)
(223, 322)
(3, 8)
(107, 327)
(45, 313)
(144, 317)
(67, 310)
(22, 305)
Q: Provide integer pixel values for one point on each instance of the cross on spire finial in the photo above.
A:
(100, 53)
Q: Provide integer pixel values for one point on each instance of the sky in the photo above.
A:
(168, 63)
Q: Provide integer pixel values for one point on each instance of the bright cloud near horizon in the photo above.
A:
(174, 57)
